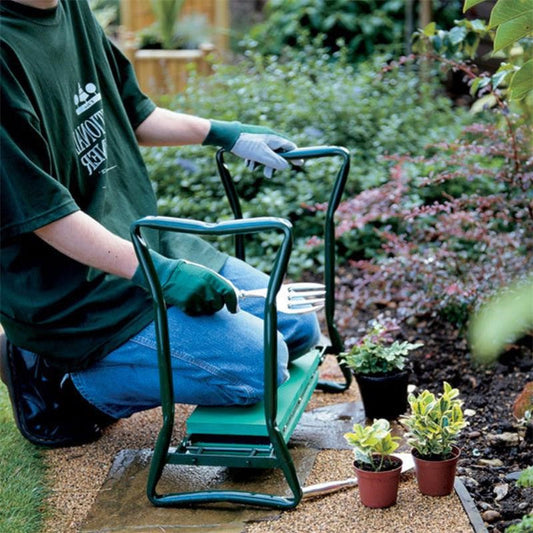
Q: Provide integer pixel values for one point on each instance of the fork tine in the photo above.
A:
(306, 301)
(305, 307)
(302, 287)
(306, 295)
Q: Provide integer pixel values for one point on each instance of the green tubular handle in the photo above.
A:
(233, 227)
(312, 152)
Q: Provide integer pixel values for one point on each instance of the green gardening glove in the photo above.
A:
(255, 144)
(193, 288)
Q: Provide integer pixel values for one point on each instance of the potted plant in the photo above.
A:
(379, 367)
(377, 470)
(433, 427)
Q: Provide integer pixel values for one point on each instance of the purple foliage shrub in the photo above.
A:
(451, 227)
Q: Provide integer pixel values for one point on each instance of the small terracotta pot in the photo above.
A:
(436, 478)
(384, 395)
(379, 489)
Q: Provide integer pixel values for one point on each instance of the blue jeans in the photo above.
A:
(216, 359)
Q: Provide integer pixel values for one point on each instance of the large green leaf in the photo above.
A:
(513, 30)
(502, 320)
(471, 3)
(506, 10)
(521, 82)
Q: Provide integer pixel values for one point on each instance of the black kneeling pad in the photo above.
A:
(47, 408)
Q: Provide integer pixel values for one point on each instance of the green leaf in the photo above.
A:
(502, 320)
(329, 22)
(500, 78)
(478, 84)
(485, 102)
(506, 10)
(521, 82)
(457, 34)
(478, 25)
(512, 31)
(429, 30)
(475, 86)
(471, 3)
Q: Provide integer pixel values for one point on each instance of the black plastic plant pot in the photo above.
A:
(384, 395)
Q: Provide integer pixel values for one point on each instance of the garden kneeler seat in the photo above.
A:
(251, 436)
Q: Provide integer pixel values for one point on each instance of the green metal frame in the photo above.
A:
(266, 448)
(313, 152)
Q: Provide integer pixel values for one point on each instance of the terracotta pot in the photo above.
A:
(384, 395)
(436, 478)
(379, 489)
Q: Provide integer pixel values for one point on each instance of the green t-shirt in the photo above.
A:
(69, 107)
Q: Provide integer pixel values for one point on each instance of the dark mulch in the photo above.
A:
(495, 445)
(487, 461)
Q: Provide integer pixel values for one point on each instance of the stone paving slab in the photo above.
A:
(324, 427)
(122, 506)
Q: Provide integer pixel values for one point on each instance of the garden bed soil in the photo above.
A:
(495, 447)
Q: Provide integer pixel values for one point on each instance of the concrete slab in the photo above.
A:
(122, 506)
(324, 427)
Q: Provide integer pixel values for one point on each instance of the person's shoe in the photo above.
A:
(45, 413)
(78, 406)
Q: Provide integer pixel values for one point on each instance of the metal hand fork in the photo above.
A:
(293, 298)
(329, 487)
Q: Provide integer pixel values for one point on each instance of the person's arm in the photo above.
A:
(85, 240)
(166, 128)
(255, 144)
(193, 288)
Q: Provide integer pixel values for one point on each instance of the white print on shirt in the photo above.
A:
(84, 100)
(89, 136)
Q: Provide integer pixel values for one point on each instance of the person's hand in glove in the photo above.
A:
(193, 288)
(255, 144)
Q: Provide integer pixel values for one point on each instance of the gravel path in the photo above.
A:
(76, 475)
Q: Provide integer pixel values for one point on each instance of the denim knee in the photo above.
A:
(301, 333)
(253, 381)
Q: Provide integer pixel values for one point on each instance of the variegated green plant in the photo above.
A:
(372, 444)
(435, 422)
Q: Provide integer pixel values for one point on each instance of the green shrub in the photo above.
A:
(526, 478)
(364, 27)
(524, 526)
(107, 12)
(319, 101)
(512, 22)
